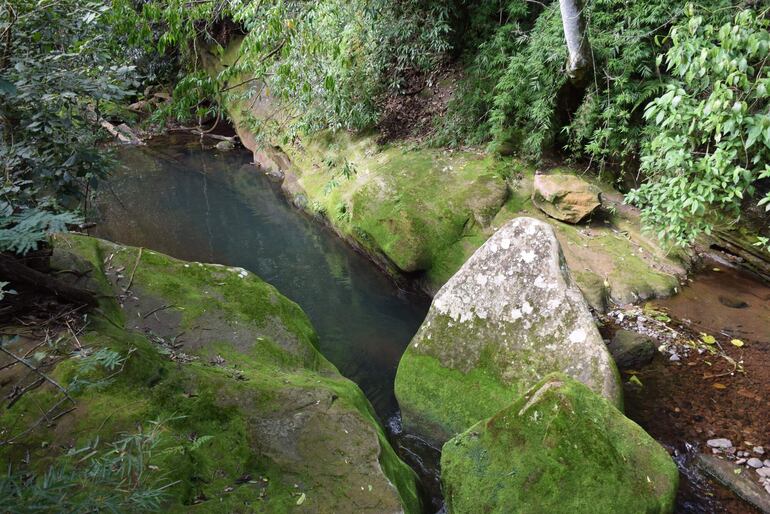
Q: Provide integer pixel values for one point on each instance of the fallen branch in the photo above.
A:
(201, 133)
(161, 308)
(36, 370)
(15, 272)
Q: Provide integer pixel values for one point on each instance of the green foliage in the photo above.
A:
(21, 232)
(325, 63)
(92, 478)
(515, 92)
(710, 130)
(58, 75)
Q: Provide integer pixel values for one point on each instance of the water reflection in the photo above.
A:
(202, 205)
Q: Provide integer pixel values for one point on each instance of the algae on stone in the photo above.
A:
(559, 448)
(511, 315)
(218, 353)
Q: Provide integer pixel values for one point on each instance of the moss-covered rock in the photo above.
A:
(510, 316)
(428, 210)
(424, 211)
(558, 448)
(217, 352)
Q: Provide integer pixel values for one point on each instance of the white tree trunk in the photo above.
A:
(578, 46)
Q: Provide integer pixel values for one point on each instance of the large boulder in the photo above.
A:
(565, 197)
(558, 448)
(229, 362)
(511, 315)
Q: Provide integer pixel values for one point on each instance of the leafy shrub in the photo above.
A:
(710, 130)
(515, 90)
(93, 478)
(326, 63)
(57, 77)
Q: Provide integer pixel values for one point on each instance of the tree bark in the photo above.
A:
(15, 272)
(578, 46)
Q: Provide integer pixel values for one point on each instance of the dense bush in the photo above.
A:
(58, 76)
(710, 131)
(515, 90)
(328, 63)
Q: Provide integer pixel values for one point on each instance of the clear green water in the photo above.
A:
(208, 206)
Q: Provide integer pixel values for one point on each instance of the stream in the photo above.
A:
(209, 206)
(202, 205)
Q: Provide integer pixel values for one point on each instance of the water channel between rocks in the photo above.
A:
(201, 205)
(215, 207)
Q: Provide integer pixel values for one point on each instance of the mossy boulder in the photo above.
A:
(217, 352)
(409, 206)
(560, 448)
(510, 316)
(565, 197)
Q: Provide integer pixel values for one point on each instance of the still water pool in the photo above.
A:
(202, 205)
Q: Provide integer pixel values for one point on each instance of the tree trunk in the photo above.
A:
(15, 272)
(578, 46)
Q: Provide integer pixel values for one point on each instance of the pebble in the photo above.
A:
(754, 462)
(740, 461)
(742, 454)
(764, 472)
(767, 463)
(719, 443)
(759, 450)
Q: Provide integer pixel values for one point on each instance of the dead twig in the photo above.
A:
(158, 309)
(133, 271)
(36, 370)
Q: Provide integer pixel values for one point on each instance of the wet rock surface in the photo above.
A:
(631, 350)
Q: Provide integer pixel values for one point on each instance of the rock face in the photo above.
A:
(510, 316)
(565, 197)
(631, 350)
(558, 448)
(227, 357)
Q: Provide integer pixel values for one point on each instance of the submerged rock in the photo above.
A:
(225, 357)
(558, 448)
(511, 315)
(742, 484)
(565, 197)
(631, 350)
(224, 146)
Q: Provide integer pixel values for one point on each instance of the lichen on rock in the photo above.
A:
(511, 315)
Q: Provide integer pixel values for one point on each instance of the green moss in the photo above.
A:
(558, 448)
(443, 401)
(267, 372)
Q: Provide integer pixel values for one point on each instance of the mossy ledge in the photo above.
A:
(250, 376)
(419, 213)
